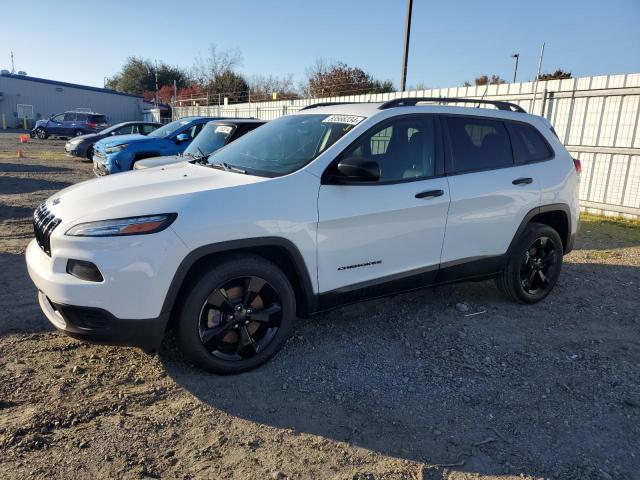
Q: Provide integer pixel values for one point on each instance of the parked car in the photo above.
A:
(114, 155)
(70, 124)
(82, 146)
(330, 205)
(212, 137)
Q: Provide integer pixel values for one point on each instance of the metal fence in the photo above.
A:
(595, 117)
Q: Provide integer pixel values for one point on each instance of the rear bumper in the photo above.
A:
(99, 326)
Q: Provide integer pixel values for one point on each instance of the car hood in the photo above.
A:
(88, 136)
(142, 192)
(160, 161)
(120, 139)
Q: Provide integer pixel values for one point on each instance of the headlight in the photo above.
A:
(115, 148)
(123, 226)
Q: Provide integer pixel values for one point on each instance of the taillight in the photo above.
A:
(578, 165)
(92, 124)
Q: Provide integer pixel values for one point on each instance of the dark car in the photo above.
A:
(70, 124)
(82, 146)
(214, 135)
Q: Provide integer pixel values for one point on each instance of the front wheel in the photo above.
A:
(41, 133)
(534, 265)
(90, 153)
(77, 133)
(237, 315)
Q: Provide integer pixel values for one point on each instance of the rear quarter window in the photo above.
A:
(478, 144)
(528, 143)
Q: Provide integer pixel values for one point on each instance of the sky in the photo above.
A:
(451, 40)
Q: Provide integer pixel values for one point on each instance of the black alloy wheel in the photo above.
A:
(533, 266)
(236, 314)
(538, 265)
(240, 319)
(41, 133)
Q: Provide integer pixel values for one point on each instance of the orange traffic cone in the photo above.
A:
(20, 153)
(24, 138)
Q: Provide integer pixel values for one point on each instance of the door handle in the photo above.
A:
(430, 194)
(523, 181)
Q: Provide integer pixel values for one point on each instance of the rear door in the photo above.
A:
(387, 233)
(490, 193)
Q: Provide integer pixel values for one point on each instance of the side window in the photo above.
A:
(478, 144)
(124, 130)
(70, 117)
(82, 117)
(147, 129)
(404, 148)
(194, 130)
(528, 144)
(135, 128)
(58, 118)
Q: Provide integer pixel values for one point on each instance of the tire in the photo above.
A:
(41, 133)
(90, 154)
(77, 133)
(533, 266)
(239, 322)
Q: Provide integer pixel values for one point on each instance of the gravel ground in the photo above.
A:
(410, 387)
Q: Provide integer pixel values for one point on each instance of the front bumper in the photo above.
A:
(99, 326)
(74, 150)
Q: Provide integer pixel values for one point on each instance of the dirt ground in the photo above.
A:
(408, 387)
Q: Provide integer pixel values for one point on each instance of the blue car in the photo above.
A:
(70, 124)
(119, 154)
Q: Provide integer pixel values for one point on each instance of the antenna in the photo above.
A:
(485, 92)
(13, 67)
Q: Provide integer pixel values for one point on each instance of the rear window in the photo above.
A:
(98, 119)
(528, 144)
(478, 144)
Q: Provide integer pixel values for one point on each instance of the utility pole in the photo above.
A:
(515, 70)
(405, 55)
(156, 83)
(535, 90)
(13, 67)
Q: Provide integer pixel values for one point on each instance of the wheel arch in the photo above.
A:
(278, 250)
(557, 216)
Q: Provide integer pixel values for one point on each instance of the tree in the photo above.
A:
(486, 80)
(215, 75)
(559, 74)
(337, 79)
(263, 88)
(138, 76)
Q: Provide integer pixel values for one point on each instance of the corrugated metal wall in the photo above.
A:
(595, 117)
(50, 98)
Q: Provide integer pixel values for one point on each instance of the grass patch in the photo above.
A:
(609, 232)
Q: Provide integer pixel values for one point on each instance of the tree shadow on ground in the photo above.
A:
(10, 212)
(30, 168)
(16, 185)
(544, 390)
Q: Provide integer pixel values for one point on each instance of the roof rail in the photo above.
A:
(412, 101)
(328, 104)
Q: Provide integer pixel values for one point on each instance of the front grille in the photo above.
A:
(44, 222)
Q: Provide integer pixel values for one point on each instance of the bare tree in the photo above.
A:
(215, 64)
(265, 88)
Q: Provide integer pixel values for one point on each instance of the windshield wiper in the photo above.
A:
(226, 167)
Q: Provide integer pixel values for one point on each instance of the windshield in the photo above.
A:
(212, 137)
(285, 145)
(111, 129)
(168, 129)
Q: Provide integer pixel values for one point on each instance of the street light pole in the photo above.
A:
(405, 55)
(515, 70)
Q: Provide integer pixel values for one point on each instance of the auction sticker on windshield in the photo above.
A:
(348, 119)
(223, 129)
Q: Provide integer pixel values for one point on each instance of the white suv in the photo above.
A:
(331, 205)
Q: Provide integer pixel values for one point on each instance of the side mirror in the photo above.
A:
(183, 137)
(357, 169)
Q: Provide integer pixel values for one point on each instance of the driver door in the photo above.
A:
(386, 234)
(55, 126)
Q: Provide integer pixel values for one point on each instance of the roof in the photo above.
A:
(238, 121)
(369, 109)
(27, 78)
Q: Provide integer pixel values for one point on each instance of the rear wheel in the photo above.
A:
(237, 315)
(77, 133)
(41, 133)
(534, 265)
